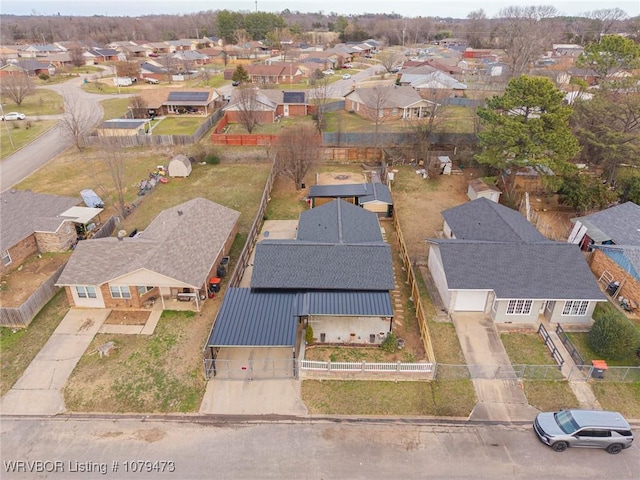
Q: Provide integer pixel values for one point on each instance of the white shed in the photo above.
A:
(478, 188)
(179, 166)
(445, 165)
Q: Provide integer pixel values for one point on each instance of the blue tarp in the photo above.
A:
(91, 199)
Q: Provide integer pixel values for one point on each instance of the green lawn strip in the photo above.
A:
(114, 108)
(105, 86)
(581, 342)
(21, 132)
(42, 102)
(142, 374)
(550, 395)
(351, 397)
(18, 347)
(446, 345)
(622, 397)
(454, 119)
(179, 125)
(529, 349)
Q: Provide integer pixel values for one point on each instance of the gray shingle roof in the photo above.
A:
(22, 211)
(549, 270)
(120, 123)
(484, 220)
(619, 224)
(339, 222)
(386, 96)
(181, 243)
(293, 264)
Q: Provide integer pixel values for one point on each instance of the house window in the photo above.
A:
(6, 258)
(118, 291)
(394, 112)
(86, 292)
(575, 307)
(519, 307)
(143, 290)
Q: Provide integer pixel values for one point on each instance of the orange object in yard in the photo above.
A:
(599, 364)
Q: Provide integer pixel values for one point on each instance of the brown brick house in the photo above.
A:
(173, 258)
(32, 223)
(388, 102)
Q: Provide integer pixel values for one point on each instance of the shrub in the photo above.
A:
(212, 159)
(44, 77)
(390, 344)
(308, 335)
(612, 335)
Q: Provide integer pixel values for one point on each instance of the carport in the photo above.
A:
(253, 337)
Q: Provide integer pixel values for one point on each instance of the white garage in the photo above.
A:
(470, 300)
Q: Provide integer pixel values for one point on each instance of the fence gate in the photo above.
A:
(250, 369)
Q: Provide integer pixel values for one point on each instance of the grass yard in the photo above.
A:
(156, 374)
(179, 125)
(19, 346)
(454, 119)
(105, 86)
(346, 397)
(622, 397)
(529, 349)
(42, 102)
(581, 342)
(550, 395)
(21, 132)
(114, 107)
(215, 80)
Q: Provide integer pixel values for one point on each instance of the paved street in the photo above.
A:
(313, 450)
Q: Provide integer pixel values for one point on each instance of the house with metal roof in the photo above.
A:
(374, 197)
(34, 223)
(492, 260)
(336, 277)
(172, 259)
(613, 237)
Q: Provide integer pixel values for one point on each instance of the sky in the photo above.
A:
(407, 8)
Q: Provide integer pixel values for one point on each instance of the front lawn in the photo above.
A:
(42, 102)
(350, 397)
(114, 108)
(18, 347)
(21, 132)
(581, 342)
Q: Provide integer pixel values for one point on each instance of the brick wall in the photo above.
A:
(600, 262)
(59, 241)
(109, 302)
(20, 252)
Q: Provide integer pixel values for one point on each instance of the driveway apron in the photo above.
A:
(498, 399)
(39, 390)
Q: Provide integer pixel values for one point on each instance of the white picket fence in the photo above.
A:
(389, 367)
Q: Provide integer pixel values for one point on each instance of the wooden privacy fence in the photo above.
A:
(107, 229)
(21, 316)
(243, 140)
(415, 292)
(254, 231)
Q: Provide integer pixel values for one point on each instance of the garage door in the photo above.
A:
(470, 301)
(253, 363)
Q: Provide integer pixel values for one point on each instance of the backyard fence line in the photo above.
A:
(21, 316)
(421, 315)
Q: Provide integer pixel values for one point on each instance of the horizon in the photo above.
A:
(409, 9)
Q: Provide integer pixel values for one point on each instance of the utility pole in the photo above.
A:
(256, 5)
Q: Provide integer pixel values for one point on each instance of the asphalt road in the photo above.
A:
(30, 158)
(120, 448)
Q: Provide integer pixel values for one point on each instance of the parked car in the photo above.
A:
(347, 65)
(583, 428)
(153, 81)
(235, 83)
(328, 71)
(346, 76)
(14, 116)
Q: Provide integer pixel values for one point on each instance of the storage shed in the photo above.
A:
(479, 189)
(180, 166)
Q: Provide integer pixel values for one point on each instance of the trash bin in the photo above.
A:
(598, 368)
(214, 285)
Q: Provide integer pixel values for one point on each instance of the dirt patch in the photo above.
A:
(339, 178)
(18, 285)
(127, 317)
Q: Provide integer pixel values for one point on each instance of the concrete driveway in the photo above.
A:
(237, 391)
(498, 399)
(39, 390)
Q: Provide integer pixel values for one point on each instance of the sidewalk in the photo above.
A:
(39, 390)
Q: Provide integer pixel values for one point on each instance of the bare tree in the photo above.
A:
(524, 33)
(297, 150)
(608, 17)
(378, 106)
(318, 97)
(421, 130)
(138, 106)
(17, 87)
(390, 59)
(75, 53)
(110, 157)
(248, 107)
(477, 29)
(76, 122)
